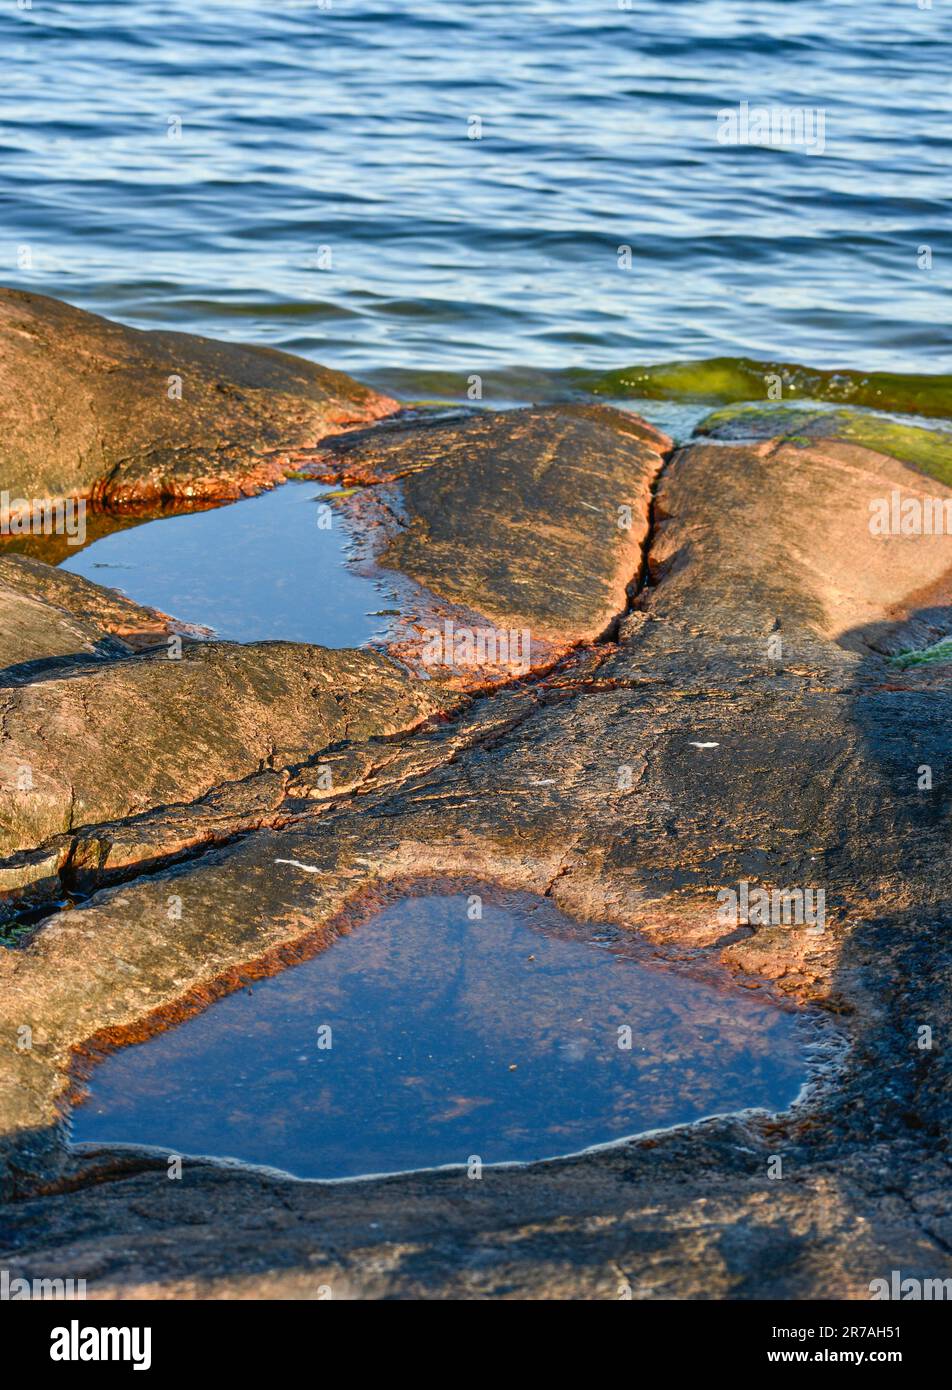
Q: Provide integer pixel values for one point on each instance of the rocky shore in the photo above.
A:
(711, 696)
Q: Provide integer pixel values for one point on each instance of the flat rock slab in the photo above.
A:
(32, 631)
(531, 521)
(787, 541)
(116, 741)
(96, 410)
(691, 1216)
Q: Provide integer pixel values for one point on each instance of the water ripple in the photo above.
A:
(325, 195)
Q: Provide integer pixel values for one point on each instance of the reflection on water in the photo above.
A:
(257, 569)
(501, 1038)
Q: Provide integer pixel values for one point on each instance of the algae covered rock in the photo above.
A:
(730, 379)
(926, 448)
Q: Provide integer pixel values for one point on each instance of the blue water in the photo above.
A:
(428, 1037)
(345, 126)
(269, 567)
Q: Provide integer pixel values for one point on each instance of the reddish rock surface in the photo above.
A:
(94, 409)
(742, 721)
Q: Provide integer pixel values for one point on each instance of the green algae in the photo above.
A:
(930, 450)
(730, 379)
(927, 449)
(939, 652)
(717, 380)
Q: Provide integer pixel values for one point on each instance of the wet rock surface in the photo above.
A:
(741, 721)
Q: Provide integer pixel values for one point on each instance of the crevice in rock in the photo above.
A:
(543, 685)
(643, 576)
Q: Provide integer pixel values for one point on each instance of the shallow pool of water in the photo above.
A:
(427, 1037)
(266, 567)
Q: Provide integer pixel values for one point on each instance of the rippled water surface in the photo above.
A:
(302, 174)
(429, 1036)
